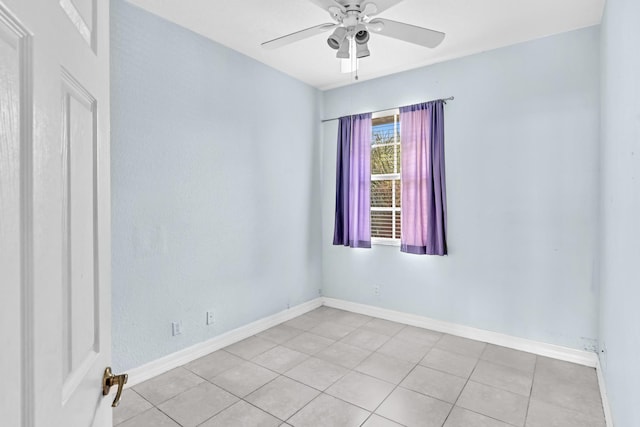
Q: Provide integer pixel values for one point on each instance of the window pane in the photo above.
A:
(381, 225)
(382, 159)
(381, 194)
(383, 129)
(385, 194)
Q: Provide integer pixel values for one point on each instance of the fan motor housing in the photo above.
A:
(352, 7)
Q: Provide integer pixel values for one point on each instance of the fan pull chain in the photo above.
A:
(353, 57)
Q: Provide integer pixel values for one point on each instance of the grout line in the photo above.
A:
(168, 416)
(384, 418)
(244, 398)
(171, 397)
(465, 385)
(135, 415)
(573, 409)
(400, 382)
(533, 378)
(301, 408)
(263, 410)
(144, 412)
(310, 386)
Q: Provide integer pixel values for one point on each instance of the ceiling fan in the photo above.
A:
(354, 20)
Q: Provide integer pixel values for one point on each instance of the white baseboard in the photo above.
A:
(543, 349)
(608, 415)
(179, 358)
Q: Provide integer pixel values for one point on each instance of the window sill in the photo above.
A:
(385, 242)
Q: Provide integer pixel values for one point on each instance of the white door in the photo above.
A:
(54, 212)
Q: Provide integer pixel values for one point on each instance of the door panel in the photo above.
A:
(81, 305)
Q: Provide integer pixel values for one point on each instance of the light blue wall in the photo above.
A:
(217, 168)
(215, 182)
(620, 207)
(522, 180)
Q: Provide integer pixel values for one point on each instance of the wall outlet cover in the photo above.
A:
(176, 328)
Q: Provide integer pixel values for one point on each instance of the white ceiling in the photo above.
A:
(471, 25)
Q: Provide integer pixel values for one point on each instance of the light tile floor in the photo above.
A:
(338, 369)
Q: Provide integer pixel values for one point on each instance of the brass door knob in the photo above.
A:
(109, 380)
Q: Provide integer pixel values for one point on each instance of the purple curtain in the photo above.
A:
(353, 181)
(424, 200)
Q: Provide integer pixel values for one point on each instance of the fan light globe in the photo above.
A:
(343, 52)
(335, 40)
(362, 50)
(362, 37)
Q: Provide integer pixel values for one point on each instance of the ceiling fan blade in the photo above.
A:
(409, 33)
(326, 4)
(297, 36)
(380, 5)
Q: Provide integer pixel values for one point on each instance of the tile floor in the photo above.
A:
(335, 368)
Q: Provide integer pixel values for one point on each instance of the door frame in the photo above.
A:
(26, 284)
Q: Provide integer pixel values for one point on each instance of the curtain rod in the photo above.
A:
(451, 98)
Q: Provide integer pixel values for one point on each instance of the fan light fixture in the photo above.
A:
(336, 39)
(353, 21)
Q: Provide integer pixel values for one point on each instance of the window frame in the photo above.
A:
(387, 241)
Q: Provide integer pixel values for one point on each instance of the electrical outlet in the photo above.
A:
(210, 318)
(176, 328)
(376, 290)
(603, 356)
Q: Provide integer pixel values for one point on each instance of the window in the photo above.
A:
(385, 178)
